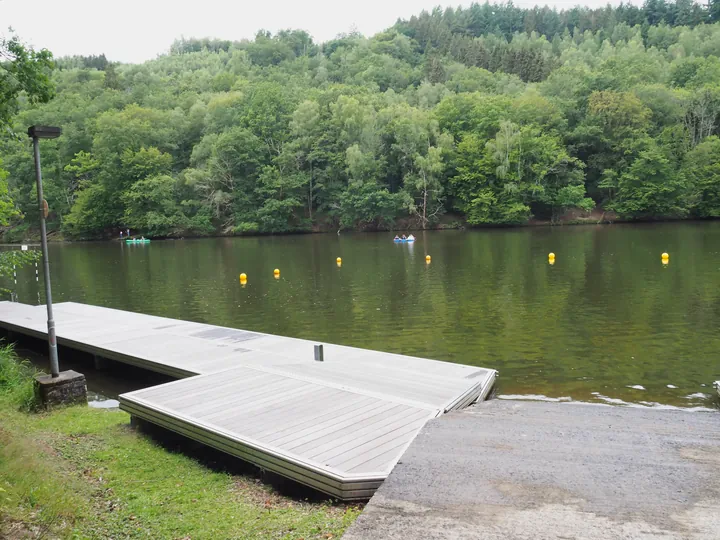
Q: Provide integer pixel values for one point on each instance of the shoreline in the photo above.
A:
(533, 224)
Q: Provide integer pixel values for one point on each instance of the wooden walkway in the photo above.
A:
(339, 426)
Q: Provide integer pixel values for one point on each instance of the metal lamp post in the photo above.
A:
(36, 133)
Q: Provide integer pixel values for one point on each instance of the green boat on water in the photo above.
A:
(137, 240)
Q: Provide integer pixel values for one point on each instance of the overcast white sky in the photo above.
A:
(138, 30)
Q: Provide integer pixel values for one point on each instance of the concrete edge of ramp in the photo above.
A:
(534, 470)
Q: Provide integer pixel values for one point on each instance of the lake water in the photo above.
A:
(608, 322)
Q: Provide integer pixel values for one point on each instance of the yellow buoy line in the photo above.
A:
(665, 257)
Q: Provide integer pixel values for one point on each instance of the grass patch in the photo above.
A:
(80, 472)
(37, 497)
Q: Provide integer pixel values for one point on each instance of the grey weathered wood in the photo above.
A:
(339, 425)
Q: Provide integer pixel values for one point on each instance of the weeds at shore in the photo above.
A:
(16, 380)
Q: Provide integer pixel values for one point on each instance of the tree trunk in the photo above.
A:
(310, 195)
(424, 217)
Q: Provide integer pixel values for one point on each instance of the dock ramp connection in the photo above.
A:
(339, 425)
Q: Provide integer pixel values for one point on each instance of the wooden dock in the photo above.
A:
(339, 425)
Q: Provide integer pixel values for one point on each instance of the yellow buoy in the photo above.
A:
(243, 278)
(665, 256)
(665, 262)
(276, 271)
(338, 260)
(428, 259)
(551, 255)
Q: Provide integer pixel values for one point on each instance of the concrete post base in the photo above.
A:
(67, 389)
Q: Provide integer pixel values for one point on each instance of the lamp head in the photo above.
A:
(44, 132)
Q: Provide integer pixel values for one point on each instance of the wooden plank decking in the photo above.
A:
(339, 426)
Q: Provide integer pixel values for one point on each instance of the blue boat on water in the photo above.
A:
(409, 240)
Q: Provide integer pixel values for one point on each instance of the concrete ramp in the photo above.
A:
(518, 470)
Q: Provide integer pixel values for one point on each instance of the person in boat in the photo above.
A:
(396, 238)
(411, 237)
(404, 237)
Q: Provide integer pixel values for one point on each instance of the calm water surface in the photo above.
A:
(608, 322)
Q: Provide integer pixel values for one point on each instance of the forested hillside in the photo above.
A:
(492, 115)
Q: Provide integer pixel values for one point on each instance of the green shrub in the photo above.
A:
(16, 380)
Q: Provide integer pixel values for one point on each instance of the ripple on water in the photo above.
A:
(609, 401)
(698, 395)
(534, 397)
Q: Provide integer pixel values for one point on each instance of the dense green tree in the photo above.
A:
(493, 114)
(714, 11)
(226, 173)
(649, 187)
(7, 208)
(150, 206)
(482, 196)
(369, 206)
(23, 72)
(614, 120)
(111, 81)
(702, 113)
(519, 169)
(280, 191)
(24, 75)
(701, 172)
(269, 51)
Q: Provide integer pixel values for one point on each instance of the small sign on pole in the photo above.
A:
(24, 247)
